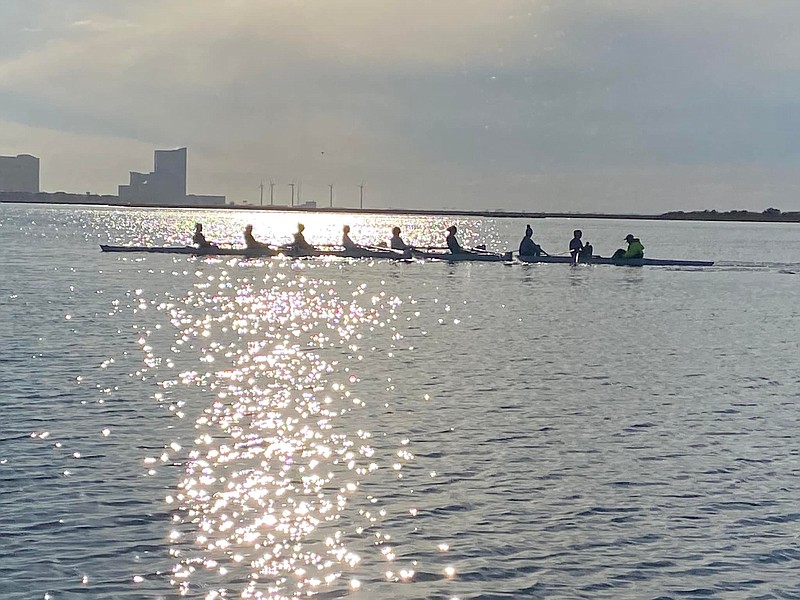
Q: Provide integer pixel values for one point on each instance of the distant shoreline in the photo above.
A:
(769, 216)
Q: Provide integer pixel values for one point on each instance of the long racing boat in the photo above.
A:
(360, 252)
(622, 262)
(474, 255)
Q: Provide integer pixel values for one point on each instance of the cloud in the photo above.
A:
(451, 98)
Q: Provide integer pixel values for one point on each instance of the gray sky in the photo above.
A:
(607, 105)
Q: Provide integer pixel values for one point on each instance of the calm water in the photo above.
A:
(362, 429)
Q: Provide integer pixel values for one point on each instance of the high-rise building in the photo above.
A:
(166, 184)
(19, 174)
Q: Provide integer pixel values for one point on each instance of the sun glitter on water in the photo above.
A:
(270, 502)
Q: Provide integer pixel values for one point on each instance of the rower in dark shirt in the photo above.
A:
(576, 245)
(527, 247)
(199, 239)
(452, 242)
(397, 243)
(251, 242)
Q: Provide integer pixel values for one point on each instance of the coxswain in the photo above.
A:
(251, 242)
(576, 245)
(346, 241)
(527, 247)
(635, 248)
(452, 242)
(199, 239)
(397, 243)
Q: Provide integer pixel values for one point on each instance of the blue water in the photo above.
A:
(364, 429)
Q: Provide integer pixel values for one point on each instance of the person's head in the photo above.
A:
(346, 229)
(452, 229)
(577, 233)
(300, 227)
(248, 229)
(198, 227)
(629, 238)
(528, 231)
(395, 231)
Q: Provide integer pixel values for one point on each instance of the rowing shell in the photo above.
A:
(263, 252)
(622, 262)
(465, 256)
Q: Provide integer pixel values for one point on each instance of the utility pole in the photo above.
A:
(330, 185)
(262, 193)
(271, 193)
(361, 203)
(291, 185)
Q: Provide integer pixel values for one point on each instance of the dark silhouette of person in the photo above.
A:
(397, 243)
(251, 242)
(452, 241)
(199, 238)
(576, 245)
(527, 247)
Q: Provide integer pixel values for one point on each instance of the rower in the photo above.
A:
(250, 242)
(452, 241)
(200, 239)
(397, 243)
(635, 248)
(346, 241)
(576, 245)
(527, 247)
(300, 242)
(587, 252)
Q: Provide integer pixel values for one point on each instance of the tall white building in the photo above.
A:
(166, 184)
(19, 174)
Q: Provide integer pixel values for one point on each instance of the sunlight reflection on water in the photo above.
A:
(264, 507)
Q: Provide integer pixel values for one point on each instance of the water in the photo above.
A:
(366, 429)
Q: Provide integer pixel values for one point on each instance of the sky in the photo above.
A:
(623, 106)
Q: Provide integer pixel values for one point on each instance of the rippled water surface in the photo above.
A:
(223, 428)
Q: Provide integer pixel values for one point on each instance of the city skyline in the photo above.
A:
(617, 106)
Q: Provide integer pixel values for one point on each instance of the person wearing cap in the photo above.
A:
(397, 243)
(346, 241)
(199, 237)
(452, 241)
(635, 248)
(251, 242)
(527, 247)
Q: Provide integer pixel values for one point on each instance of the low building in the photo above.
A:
(19, 174)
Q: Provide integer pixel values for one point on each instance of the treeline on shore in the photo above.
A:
(769, 215)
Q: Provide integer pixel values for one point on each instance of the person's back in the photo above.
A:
(635, 249)
(527, 247)
(299, 239)
(346, 241)
(397, 243)
(452, 242)
(199, 238)
(250, 241)
(575, 244)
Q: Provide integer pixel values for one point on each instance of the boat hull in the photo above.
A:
(262, 252)
(620, 262)
(466, 256)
